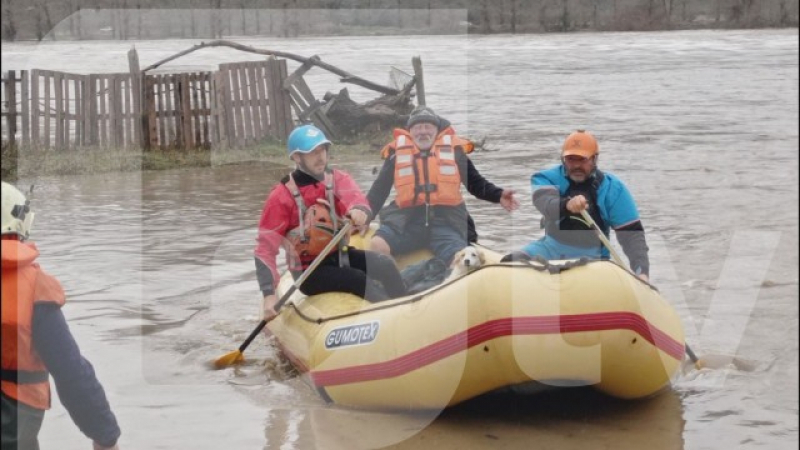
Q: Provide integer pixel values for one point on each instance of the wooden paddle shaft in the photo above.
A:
(299, 282)
(618, 260)
(603, 238)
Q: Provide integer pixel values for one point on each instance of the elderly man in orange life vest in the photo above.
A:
(315, 193)
(427, 164)
(37, 343)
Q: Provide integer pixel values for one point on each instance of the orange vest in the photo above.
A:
(317, 225)
(434, 179)
(23, 284)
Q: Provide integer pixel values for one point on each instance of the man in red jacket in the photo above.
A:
(284, 222)
(37, 343)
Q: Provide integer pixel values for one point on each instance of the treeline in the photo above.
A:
(160, 19)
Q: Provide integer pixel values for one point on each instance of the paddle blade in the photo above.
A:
(722, 361)
(229, 359)
(716, 362)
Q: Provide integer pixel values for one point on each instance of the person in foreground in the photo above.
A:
(427, 163)
(302, 214)
(562, 192)
(37, 343)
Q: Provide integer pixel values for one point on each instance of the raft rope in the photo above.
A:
(536, 263)
(555, 269)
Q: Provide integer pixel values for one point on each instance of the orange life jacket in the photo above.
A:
(431, 178)
(25, 378)
(318, 225)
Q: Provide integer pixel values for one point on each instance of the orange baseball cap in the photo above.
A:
(580, 143)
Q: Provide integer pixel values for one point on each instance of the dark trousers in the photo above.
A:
(446, 232)
(21, 425)
(369, 275)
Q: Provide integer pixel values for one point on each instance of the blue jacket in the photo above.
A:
(614, 207)
(614, 200)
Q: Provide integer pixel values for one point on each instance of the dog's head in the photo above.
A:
(469, 258)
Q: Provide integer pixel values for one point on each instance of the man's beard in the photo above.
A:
(578, 176)
(581, 175)
(305, 169)
(425, 144)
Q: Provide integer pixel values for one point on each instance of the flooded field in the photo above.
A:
(701, 125)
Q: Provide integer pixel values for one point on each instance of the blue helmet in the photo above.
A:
(305, 139)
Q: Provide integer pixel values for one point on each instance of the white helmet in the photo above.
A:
(17, 217)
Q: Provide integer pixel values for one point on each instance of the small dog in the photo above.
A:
(465, 261)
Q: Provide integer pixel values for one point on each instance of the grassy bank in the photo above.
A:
(34, 162)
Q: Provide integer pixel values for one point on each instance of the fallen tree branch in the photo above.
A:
(346, 77)
(480, 145)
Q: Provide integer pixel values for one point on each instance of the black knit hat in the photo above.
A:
(423, 114)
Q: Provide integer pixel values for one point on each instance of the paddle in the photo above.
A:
(617, 259)
(237, 355)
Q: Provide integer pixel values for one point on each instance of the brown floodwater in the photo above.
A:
(701, 125)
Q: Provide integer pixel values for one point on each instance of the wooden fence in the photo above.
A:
(177, 110)
(241, 104)
(250, 102)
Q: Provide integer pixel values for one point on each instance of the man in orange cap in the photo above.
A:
(562, 192)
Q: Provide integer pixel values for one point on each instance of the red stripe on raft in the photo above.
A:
(495, 329)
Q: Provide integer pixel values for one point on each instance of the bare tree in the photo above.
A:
(230, 21)
(39, 25)
(111, 14)
(244, 17)
(486, 23)
(126, 26)
(116, 22)
(285, 22)
(192, 22)
(43, 22)
(543, 15)
(513, 16)
(399, 14)
(78, 19)
(271, 23)
(429, 14)
(9, 25)
(565, 20)
(741, 10)
(212, 19)
(217, 17)
(298, 24)
(500, 7)
(667, 10)
(28, 18)
(783, 17)
(138, 19)
(72, 14)
(185, 27)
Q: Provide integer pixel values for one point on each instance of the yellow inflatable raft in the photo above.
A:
(563, 323)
